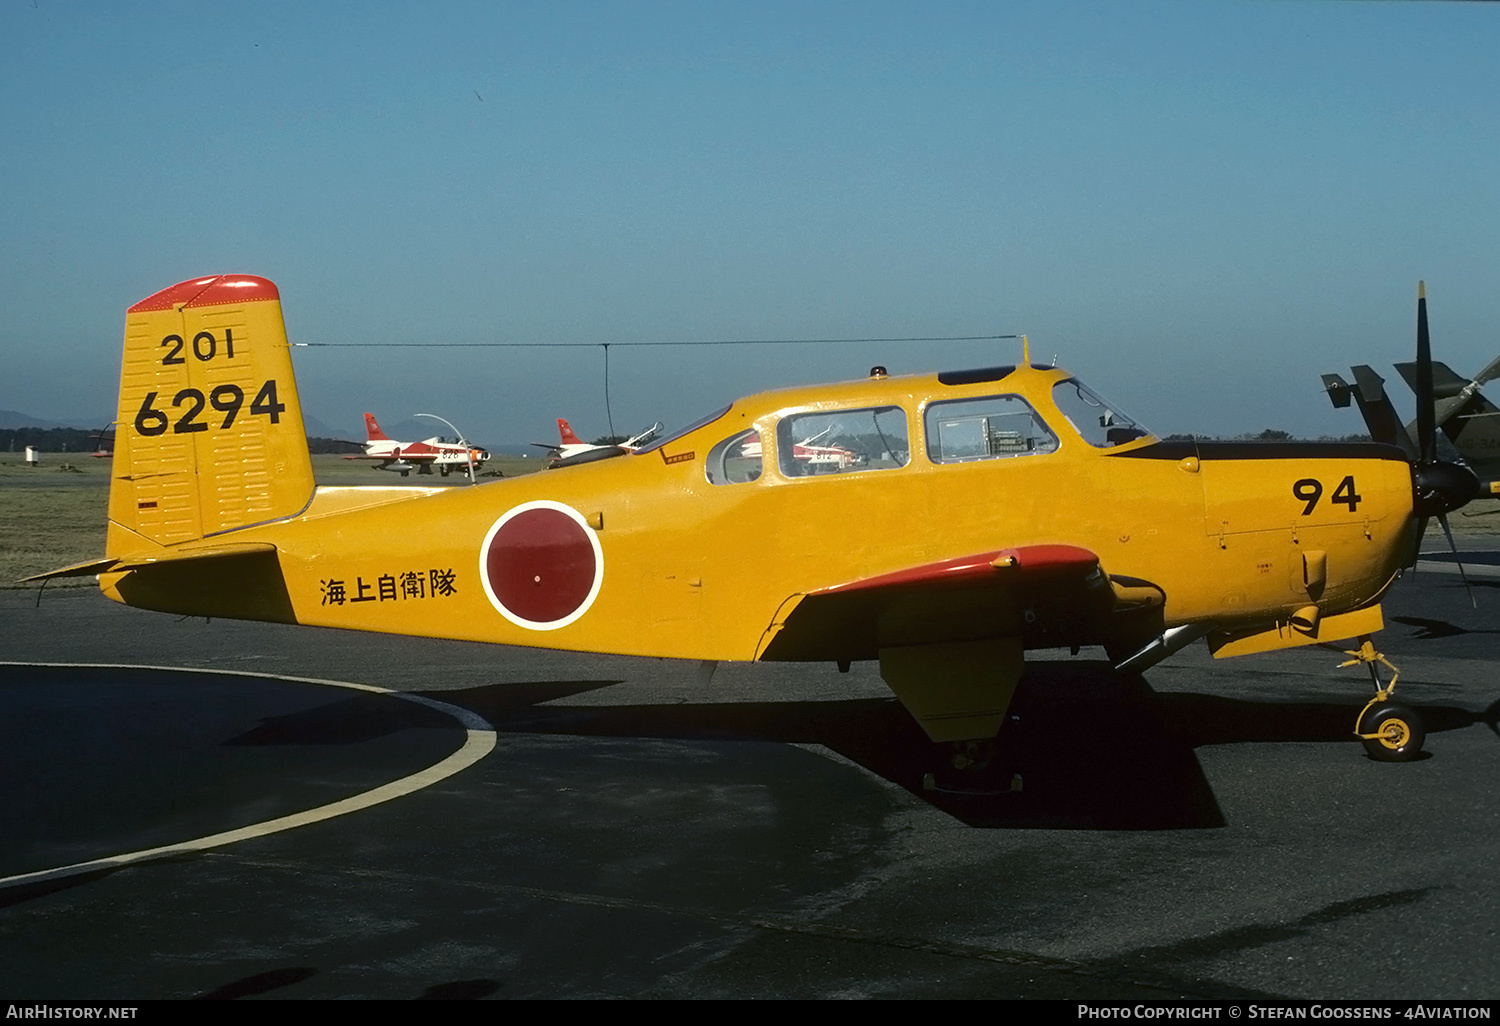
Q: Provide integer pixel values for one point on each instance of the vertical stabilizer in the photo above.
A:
(372, 429)
(210, 434)
(566, 432)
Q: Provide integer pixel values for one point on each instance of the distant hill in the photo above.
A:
(318, 429)
(319, 446)
(18, 430)
(13, 419)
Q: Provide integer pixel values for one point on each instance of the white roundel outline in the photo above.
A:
(484, 576)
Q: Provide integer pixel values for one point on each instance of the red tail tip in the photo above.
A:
(214, 290)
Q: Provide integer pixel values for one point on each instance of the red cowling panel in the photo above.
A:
(1030, 560)
(211, 291)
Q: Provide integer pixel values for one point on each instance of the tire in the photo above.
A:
(1400, 730)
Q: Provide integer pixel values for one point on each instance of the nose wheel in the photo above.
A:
(1390, 732)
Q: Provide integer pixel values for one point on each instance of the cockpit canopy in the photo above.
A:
(998, 424)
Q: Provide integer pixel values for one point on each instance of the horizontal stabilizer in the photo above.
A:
(140, 562)
(1338, 390)
(112, 564)
(89, 569)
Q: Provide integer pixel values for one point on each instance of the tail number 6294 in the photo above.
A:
(226, 399)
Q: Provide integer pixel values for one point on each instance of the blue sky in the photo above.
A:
(1197, 207)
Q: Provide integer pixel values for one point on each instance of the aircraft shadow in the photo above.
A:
(1084, 748)
(1431, 630)
(364, 717)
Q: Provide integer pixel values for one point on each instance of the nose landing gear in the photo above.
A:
(1390, 732)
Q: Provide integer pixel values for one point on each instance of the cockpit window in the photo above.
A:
(694, 426)
(840, 441)
(962, 430)
(735, 460)
(1100, 424)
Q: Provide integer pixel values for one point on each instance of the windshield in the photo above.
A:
(1100, 424)
(694, 426)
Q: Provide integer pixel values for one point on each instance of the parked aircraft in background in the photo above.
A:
(404, 457)
(571, 449)
(104, 443)
(1468, 420)
(812, 459)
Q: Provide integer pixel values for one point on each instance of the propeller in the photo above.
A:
(1438, 487)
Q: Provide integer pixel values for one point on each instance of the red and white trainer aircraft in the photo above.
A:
(404, 457)
(570, 445)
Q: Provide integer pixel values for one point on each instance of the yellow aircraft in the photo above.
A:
(989, 512)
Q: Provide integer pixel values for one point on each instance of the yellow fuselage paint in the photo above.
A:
(700, 570)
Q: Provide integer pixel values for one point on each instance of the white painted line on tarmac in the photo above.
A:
(479, 742)
(1445, 567)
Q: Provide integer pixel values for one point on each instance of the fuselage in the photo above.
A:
(691, 548)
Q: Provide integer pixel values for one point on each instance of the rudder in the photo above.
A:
(210, 435)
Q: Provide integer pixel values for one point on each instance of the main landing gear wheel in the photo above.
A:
(972, 755)
(1392, 733)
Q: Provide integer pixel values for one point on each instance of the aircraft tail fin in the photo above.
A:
(210, 434)
(1471, 421)
(1446, 384)
(372, 429)
(1379, 415)
(568, 437)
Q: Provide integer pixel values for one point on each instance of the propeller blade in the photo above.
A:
(1426, 419)
(1454, 547)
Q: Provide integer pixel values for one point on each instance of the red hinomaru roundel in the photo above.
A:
(541, 565)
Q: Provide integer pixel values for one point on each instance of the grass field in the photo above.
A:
(51, 516)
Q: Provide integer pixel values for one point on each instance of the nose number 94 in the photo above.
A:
(1310, 490)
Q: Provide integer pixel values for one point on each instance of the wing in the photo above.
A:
(1031, 591)
(950, 635)
(418, 452)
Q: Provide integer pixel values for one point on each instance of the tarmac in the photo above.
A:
(497, 822)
